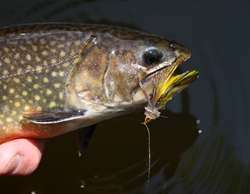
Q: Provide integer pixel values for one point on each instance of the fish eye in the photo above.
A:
(152, 57)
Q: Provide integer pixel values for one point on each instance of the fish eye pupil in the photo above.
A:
(152, 57)
(152, 60)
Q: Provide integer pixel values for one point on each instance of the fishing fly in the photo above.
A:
(162, 92)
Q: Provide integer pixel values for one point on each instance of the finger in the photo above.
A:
(20, 156)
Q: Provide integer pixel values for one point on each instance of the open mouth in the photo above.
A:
(171, 85)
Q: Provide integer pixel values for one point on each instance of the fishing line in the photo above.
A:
(149, 156)
(148, 131)
(144, 123)
(165, 117)
(145, 93)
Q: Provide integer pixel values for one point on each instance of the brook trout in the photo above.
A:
(55, 78)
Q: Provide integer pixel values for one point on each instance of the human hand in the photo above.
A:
(20, 156)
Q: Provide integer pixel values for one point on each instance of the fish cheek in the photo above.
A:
(121, 76)
(87, 77)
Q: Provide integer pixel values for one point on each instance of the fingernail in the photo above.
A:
(13, 165)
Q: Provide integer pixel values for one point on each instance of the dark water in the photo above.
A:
(183, 161)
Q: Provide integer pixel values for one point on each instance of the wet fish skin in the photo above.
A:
(55, 78)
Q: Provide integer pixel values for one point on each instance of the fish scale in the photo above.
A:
(31, 64)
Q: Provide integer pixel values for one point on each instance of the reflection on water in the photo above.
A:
(220, 171)
(169, 141)
(216, 161)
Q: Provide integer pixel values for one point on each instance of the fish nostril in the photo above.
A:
(173, 45)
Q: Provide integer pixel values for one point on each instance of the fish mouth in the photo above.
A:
(161, 85)
(181, 55)
(173, 86)
(170, 85)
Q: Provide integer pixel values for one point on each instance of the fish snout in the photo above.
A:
(180, 50)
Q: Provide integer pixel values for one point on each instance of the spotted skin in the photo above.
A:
(35, 67)
(72, 67)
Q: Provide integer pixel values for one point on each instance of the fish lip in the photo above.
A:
(160, 66)
(181, 57)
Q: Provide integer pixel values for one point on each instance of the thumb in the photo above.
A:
(20, 156)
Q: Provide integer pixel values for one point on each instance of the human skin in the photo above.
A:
(20, 156)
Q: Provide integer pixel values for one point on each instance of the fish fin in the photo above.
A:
(84, 136)
(50, 117)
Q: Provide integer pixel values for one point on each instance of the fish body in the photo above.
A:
(56, 78)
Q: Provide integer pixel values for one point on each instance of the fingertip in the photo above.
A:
(20, 156)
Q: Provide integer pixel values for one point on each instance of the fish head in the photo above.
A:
(120, 68)
(159, 61)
